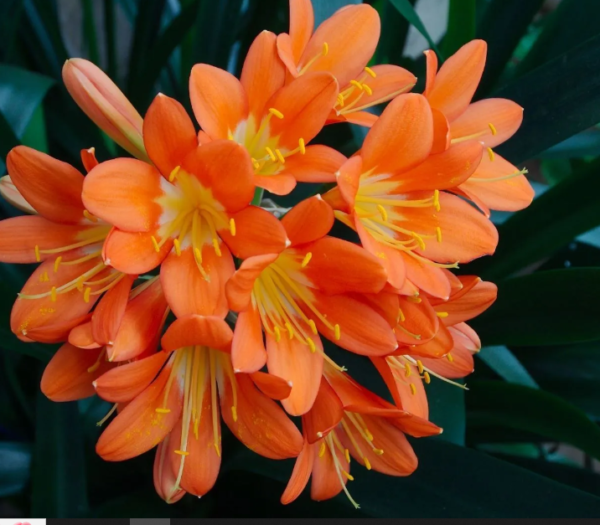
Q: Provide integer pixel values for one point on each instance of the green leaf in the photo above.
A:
(110, 36)
(560, 98)
(506, 365)
(532, 410)
(394, 30)
(406, 9)
(556, 170)
(15, 463)
(565, 211)
(503, 24)
(89, 31)
(545, 308)
(325, 8)
(584, 144)
(34, 135)
(447, 410)
(461, 26)
(59, 484)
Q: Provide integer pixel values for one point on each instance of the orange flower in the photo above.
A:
(448, 355)
(179, 410)
(180, 212)
(392, 195)
(497, 184)
(349, 420)
(343, 45)
(300, 292)
(62, 235)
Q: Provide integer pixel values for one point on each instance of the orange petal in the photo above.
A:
(278, 184)
(218, 100)
(169, 134)
(50, 186)
(225, 168)
(325, 478)
(457, 79)
(103, 102)
(248, 352)
(318, 164)
(300, 474)
(286, 54)
(69, 374)
(165, 481)
(506, 194)
(348, 179)
(401, 138)
(462, 363)
(493, 121)
(197, 330)
(327, 271)
(432, 65)
(88, 159)
(187, 290)
(239, 288)
(123, 192)
(441, 132)
(139, 427)
(81, 336)
(305, 105)
(308, 221)
(469, 303)
(107, 316)
(141, 324)
(276, 437)
(361, 118)
(325, 414)
(293, 361)
(19, 237)
(334, 198)
(256, 232)
(302, 22)
(426, 277)
(263, 72)
(437, 347)
(272, 386)
(200, 467)
(123, 383)
(133, 253)
(11, 194)
(418, 322)
(362, 329)
(351, 35)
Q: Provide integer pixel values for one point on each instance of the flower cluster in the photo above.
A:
(183, 302)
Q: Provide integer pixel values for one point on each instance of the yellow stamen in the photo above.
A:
(493, 129)
(370, 72)
(442, 315)
(86, 295)
(110, 413)
(44, 277)
(270, 153)
(438, 234)
(420, 366)
(401, 315)
(155, 243)
(407, 369)
(306, 259)
(89, 216)
(450, 358)
(256, 164)
(340, 100)
(311, 345)
(276, 113)
(427, 377)
(280, 157)
(338, 332)
(302, 146)
(325, 49)
(173, 174)
(367, 89)
(216, 246)
(177, 245)
(413, 389)
(182, 452)
(277, 334)
(53, 294)
(37, 253)
(436, 200)
(232, 226)
(491, 154)
(162, 410)
(347, 474)
(313, 326)
(347, 454)
(383, 212)
(357, 84)
(290, 329)
(367, 463)
(57, 262)
(234, 414)
(414, 299)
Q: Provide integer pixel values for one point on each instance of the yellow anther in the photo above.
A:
(438, 233)
(182, 452)
(89, 216)
(155, 243)
(280, 156)
(442, 315)
(367, 463)
(322, 449)
(325, 49)
(277, 334)
(232, 226)
(407, 369)
(162, 410)
(367, 89)
(276, 113)
(420, 366)
(491, 154)
(436, 200)
(414, 299)
(173, 174)
(37, 253)
(340, 100)
(383, 212)
(44, 277)
(290, 330)
(79, 284)
(311, 345)
(53, 294)
(413, 389)
(347, 454)
(450, 358)
(86, 295)
(306, 259)
(337, 332)
(378, 451)
(234, 413)
(313, 326)
(256, 164)
(348, 475)
(270, 153)
(198, 255)
(57, 262)
(302, 146)
(493, 129)
(401, 316)
(216, 246)
(427, 377)
(229, 135)
(177, 245)
(357, 84)
(370, 72)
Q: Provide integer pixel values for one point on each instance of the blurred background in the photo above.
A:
(523, 440)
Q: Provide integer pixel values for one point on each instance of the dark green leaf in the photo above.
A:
(406, 9)
(35, 133)
(560, 98)
(545, 308)
(110, 36)
(15, 462)
(584, 144)
(59, 486)
(394, 30)
(325, 8)
(556, 170)
(89, 31)
(506, 365)
(447, 410)
(461, 26)
(532, 410)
